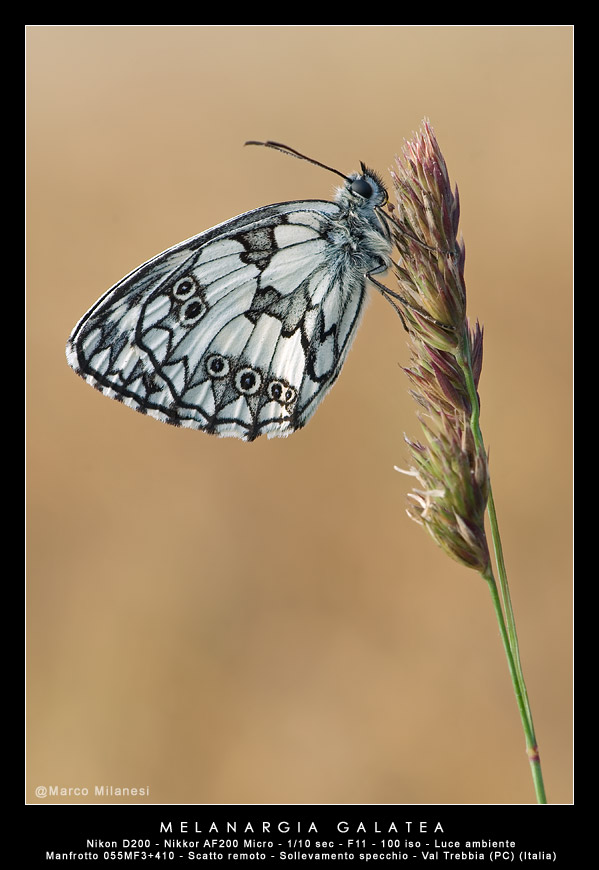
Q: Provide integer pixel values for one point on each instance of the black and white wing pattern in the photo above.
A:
(241, 330)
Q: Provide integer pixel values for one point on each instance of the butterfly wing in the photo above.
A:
(239, 331)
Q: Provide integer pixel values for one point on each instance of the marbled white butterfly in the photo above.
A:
(241, 330)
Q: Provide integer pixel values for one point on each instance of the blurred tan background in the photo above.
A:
(261, 623)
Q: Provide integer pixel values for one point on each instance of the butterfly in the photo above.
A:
(241, 330)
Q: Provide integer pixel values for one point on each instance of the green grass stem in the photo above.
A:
(503, 605)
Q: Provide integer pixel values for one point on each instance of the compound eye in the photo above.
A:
(361, 187)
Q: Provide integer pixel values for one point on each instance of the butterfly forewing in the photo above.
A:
(239, 331)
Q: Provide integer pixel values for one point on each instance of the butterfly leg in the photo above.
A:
(398, 225)
(391, 296)
(404, 232)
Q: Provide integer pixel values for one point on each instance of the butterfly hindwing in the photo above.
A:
(239, 331)
(242, 329)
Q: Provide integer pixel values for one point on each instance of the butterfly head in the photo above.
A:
(365, 187)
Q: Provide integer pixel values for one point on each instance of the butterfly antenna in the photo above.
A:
(278, 146)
